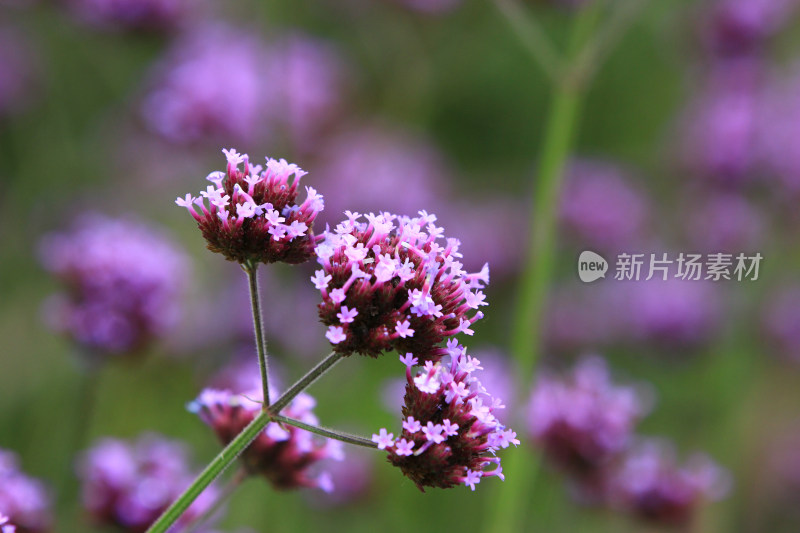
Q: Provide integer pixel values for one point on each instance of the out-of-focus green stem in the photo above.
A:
(242, 440)
(210, 473)
(531, 35)
(227, 491)
(510, 500)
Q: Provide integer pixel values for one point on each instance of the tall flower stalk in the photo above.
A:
(571, 80)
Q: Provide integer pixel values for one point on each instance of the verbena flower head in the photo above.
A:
(6, 526)
(123, 283)
(651, 485)
(252, 215)
(583, 421)
(283, 454)
(449, 433)
(24, 501)
(129, 484)
(390, 283)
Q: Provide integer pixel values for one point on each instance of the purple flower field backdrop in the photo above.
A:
(127, 356)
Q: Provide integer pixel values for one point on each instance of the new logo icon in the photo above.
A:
(591, 266)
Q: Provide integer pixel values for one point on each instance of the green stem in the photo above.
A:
(243, 439)
(302, 384)
(568, 95)
(325, 432)
(531, 35)
(261, 345)
(210, 473)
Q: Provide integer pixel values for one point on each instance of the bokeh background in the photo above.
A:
(688, 141)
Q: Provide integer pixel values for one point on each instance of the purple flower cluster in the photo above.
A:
(584, 422)
(652, 486)
(147, 15)
(129, 484)
(24, 501)
(283, 454)
(387, 284)
(450, 434)
(585, 425)
(252, 215)
(122, 283)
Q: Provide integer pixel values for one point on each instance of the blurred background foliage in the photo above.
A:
(461, 83)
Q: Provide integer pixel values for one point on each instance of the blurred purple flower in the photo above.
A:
(129, 484)
(429, 6)
(781, 322)
(778, 138)
(720, 125)
(582, 421)
(724, 222)
(674, 313)
(737, 27)
(600, 207)
(123, 281)
(224, 85)
(363, 169)
(133, 15)
(351, 477)
(23, 500)
(578, 317)
(283, 454)
(650, 484)
(307, 84)
(18, 71)
(475, 222)
(210, 87)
